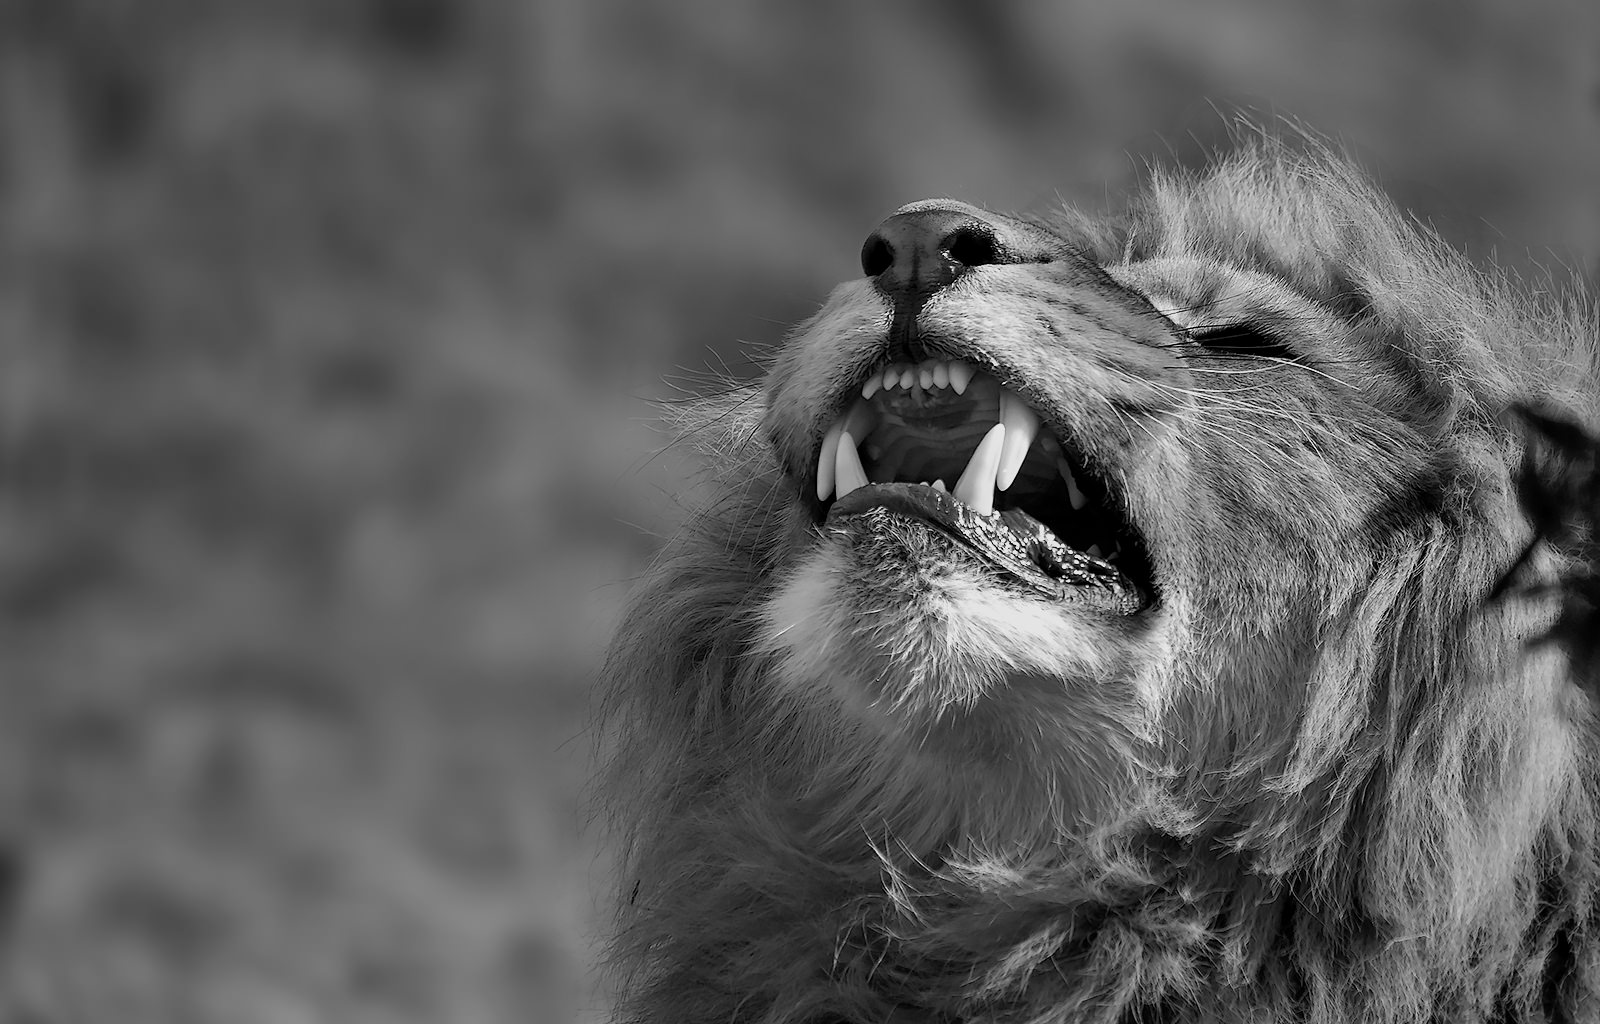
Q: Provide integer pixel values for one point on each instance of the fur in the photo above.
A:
(1326, 779)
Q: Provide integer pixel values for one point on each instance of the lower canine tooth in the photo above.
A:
(976, 486)
(847, 469)
(1073, 494)
(1021, 426)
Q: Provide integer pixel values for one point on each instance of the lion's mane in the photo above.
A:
(1397, 823)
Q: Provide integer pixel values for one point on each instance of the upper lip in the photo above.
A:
(959, 426)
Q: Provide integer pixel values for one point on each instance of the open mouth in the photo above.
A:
(945, 445)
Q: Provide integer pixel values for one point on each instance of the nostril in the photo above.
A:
(877, 255)
(926, 247)
(973, 246)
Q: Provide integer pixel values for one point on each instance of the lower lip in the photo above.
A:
(870, 510)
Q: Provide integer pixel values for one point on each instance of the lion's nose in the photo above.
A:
(926, 246)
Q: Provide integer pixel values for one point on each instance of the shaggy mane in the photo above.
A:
(1402, 845)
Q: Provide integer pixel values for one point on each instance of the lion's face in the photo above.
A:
(1097, 623)
(1043, 495)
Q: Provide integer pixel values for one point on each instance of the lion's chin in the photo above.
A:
(906, 632)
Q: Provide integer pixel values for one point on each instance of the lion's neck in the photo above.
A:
(853, 929)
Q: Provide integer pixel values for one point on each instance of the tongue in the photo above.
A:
(1013, 541)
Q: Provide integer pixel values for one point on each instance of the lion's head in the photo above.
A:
(1091, 623)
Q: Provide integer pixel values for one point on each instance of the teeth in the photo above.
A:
(994, 464)
(847, 465)
(1094, 551)
(827, 460)
(976, 486)
(858, 422)
(1073, 494)
(933, 373)
(1021, 425)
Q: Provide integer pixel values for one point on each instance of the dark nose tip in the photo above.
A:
(920, 250)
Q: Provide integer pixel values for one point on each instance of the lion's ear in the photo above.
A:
(1559, 487)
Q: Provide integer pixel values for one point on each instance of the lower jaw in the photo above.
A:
(907, 629)
(962, 537)
(940, 704)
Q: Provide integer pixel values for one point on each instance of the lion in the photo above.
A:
(1091, 620)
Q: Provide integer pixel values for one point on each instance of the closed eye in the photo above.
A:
(1241, 339)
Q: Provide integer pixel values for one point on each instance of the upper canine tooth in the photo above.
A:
(859, 421)
(1073, 494)
(826, 460)
(976, 486)
(847, 466)
(1021, 426)
(961, 375)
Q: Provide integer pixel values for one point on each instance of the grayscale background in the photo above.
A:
(326, 333)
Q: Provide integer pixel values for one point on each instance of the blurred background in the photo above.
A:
(328, 331)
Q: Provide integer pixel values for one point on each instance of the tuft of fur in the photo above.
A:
(1328, 780)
